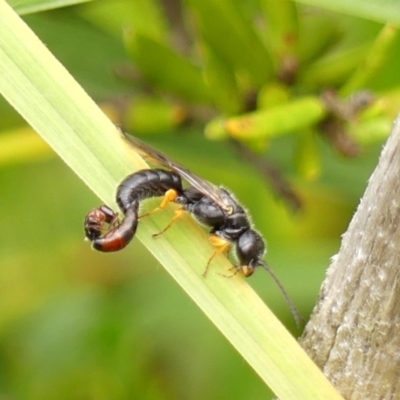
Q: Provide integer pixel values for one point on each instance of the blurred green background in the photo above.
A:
(77, 324)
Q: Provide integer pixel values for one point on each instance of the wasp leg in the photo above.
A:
(178, 214)
(221, 245)
(169, 196)
(232, 275)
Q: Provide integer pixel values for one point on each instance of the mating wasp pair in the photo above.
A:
(212, 206)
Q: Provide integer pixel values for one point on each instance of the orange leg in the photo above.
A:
(178, 214)
(221, 245)
(169, 196)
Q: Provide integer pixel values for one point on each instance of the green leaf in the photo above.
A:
(147, 115)
(311, 45)
(31, 6)
(281, 30)
(221, 78)
(282, 119)
(307, 156)
(233, 38)
(375, 60)
(145, 15)
(167, 69)
(43, 92)
(382, 11)
(331, 69)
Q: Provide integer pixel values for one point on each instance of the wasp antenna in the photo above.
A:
(293, 309)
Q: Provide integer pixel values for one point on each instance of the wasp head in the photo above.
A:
(250, 249)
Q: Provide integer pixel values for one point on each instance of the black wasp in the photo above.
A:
(210, 205)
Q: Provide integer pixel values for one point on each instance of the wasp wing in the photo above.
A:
(156, 157)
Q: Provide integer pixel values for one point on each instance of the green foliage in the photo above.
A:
(77, 324)
(229, 54)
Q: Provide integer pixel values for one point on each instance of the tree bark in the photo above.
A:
(354, 332)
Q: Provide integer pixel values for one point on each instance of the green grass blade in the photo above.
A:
(31, 6)
(382, 11)
(60, 111)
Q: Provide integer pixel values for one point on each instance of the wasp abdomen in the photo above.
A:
(146, 184)
(118, 238)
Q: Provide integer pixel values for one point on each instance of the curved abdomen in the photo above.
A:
(146, 184)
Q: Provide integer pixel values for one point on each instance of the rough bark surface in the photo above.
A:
(354, 332)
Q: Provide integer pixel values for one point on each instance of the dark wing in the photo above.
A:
(156, 157)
